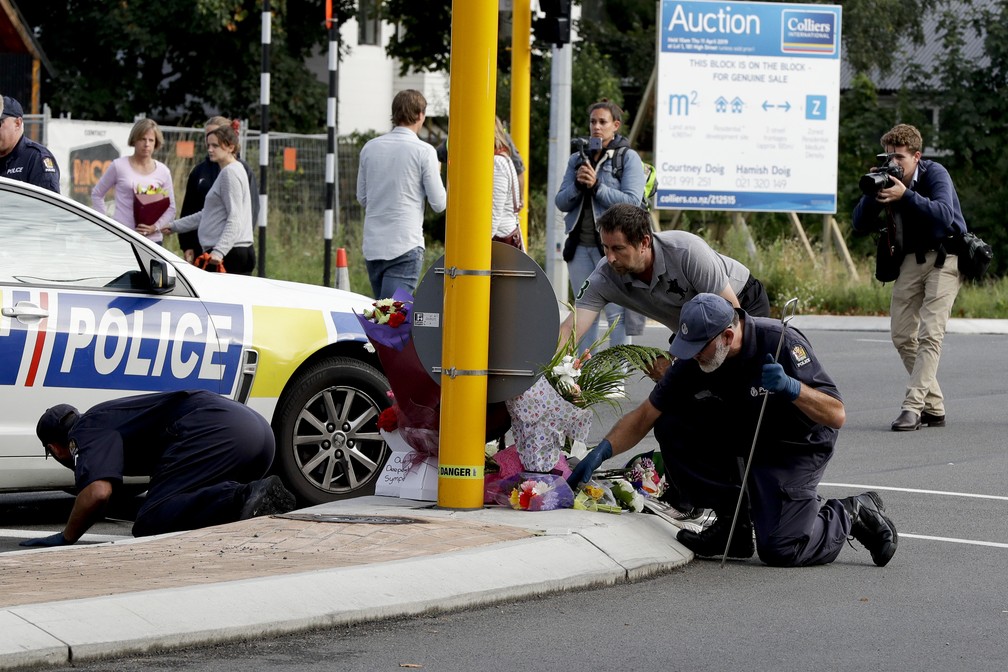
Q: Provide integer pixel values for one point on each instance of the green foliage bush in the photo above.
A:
(296, 252)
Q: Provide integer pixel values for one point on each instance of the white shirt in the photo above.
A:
(505, 197)
(397, 172)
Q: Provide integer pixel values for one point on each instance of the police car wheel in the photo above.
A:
(328, 445)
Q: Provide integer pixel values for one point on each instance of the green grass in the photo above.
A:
(295, 252)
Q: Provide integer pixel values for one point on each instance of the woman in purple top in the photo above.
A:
(140, 184)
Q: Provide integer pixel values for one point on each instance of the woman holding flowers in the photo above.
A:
(144, 197)
(224, 224)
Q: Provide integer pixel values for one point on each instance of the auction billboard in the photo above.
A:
(748, 106)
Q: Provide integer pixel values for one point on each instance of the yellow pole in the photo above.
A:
(521, 77)
(465, 331)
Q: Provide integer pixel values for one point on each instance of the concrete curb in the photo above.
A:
(574, 549)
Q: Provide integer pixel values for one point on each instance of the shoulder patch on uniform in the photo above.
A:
(49, 164)
(580, 292)
(800, 355)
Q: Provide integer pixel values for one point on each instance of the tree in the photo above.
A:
(178, 61)
(423, 41)
(973, 127)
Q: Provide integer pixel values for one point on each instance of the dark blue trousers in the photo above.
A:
(705, 459)
(216, 448)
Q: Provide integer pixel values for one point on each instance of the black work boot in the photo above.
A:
(711, 542)
(870, 527)
(267, 497)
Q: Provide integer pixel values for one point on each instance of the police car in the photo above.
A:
(92, 311)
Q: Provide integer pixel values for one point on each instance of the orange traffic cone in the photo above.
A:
(342, 274)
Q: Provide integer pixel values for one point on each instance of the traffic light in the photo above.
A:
(555, 28)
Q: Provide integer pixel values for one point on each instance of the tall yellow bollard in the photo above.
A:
(521, 83)
(467, 254)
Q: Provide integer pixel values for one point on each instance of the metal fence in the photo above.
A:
(296, 172)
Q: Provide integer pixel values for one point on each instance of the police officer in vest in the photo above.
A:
(22, 158)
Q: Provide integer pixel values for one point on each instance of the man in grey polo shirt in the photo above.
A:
(657, 273)
(397, 172)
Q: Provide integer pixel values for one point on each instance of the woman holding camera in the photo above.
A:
(603, 172)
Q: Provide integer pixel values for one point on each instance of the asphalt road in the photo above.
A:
(941, 604)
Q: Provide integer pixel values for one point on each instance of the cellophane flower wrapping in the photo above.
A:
(597, 495)
(640, 479)
(395, 333)
(149, 205)
(627, 495)
(528, 491)
(645, 477)
(417, 397)
(543, 423)
(507, 465)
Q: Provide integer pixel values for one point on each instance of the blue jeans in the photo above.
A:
(388, 275)
(586, 257)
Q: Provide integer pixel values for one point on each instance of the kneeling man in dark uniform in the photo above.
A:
(704, 412)
(206, 457)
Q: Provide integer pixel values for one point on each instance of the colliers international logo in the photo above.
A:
(808, 32)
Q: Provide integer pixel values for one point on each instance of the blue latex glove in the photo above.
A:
(582, 473)
(775, 380)
(52, 540)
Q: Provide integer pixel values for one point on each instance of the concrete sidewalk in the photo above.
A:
(358, 560)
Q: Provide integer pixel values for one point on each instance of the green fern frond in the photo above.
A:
(640, 357)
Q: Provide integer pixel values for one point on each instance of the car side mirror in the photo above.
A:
(162, 276)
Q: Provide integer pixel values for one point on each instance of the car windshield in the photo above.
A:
(44, 243)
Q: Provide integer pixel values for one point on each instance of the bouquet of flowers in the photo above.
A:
(384, 321)
(643, 473)
(149, 203)
(416, 397)
(554, 415)
(627, 495)
(641, 479)
(597, 496)
(534, 492)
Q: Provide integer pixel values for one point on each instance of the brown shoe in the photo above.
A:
(932, 420)
(907, 421)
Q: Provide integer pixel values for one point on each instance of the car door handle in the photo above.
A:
(24, 310)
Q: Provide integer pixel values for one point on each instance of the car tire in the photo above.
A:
(328, 444)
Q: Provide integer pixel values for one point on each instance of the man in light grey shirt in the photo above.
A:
(657, 273)
(397, 172)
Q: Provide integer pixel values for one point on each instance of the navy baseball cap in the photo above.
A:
(702, 318)
(54, 425)
(11, 108)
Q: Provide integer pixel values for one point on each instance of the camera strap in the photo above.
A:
(939, 260)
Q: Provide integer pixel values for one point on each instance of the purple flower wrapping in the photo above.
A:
(558, 495)
(391, 337)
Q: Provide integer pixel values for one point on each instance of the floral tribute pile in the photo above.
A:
(416, 398)
(551, 420)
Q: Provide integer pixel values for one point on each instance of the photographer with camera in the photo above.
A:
(914, 203)
(593, 182)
